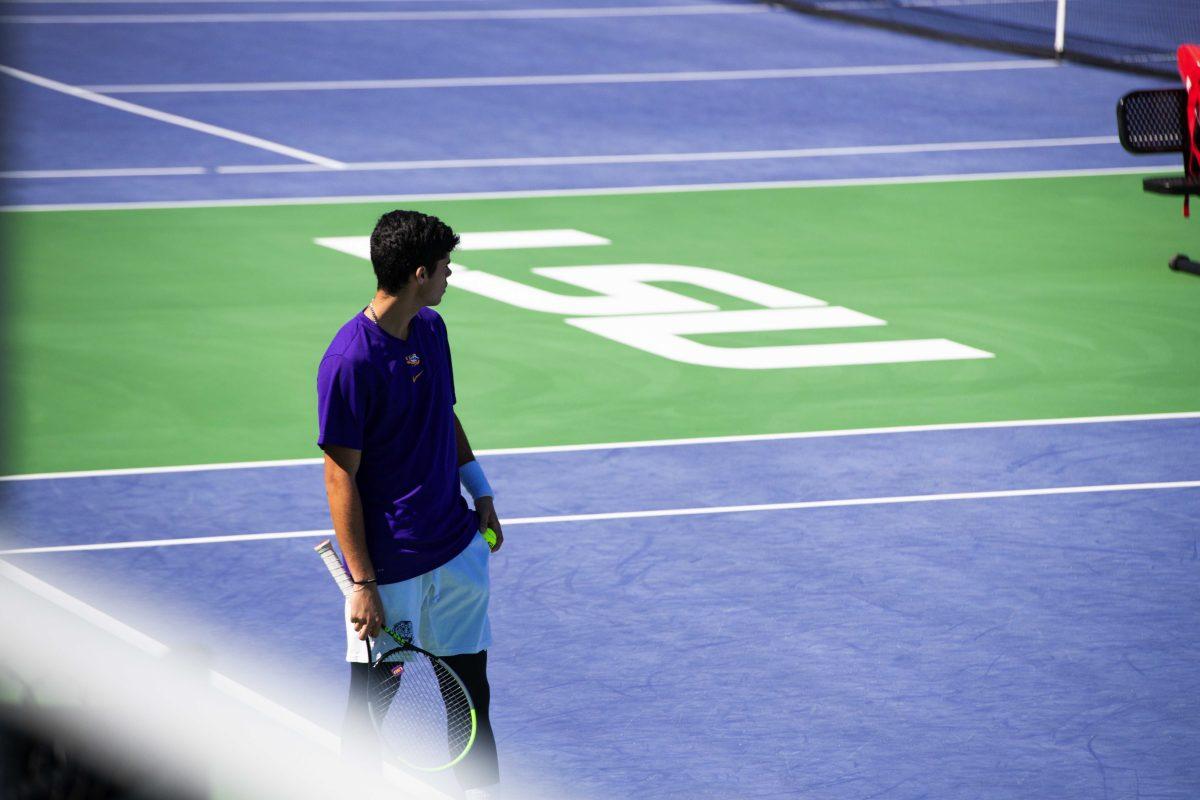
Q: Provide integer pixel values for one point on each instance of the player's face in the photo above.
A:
(435, 284)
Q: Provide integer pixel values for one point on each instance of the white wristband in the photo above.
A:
(472, 477)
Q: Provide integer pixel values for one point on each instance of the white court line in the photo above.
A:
(172, 119)
(678, 158)
(204, 2)
(666, 512)
(238, 537)
(388, 16)
(579, 79)
(596, 160)
(677, 188)
(223, 683)
(569, 448)
(120, 172)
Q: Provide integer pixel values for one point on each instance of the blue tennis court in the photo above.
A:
(830, 615)
(431, 105)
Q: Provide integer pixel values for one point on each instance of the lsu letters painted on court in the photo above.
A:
(628, 309)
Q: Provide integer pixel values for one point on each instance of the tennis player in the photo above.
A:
(395, 454)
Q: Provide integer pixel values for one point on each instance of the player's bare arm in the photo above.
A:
(345, 509)
(485, 507)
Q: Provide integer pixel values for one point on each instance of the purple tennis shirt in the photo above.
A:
(393, 399)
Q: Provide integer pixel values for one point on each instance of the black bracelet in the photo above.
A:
(364, 583)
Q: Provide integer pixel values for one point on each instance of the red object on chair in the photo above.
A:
(1189, 70)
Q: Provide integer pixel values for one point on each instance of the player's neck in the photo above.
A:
(395, 312)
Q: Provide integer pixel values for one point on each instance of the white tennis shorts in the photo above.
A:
(445, 609)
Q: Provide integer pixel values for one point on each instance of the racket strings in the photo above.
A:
(458, 709)
(421, 711)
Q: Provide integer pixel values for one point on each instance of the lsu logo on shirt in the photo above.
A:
(413, 360)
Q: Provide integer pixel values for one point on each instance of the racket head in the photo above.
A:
(421, 709)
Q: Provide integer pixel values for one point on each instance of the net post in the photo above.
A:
(1060, 29)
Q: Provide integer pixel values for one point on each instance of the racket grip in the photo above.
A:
(334, 565)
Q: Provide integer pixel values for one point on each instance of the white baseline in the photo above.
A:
(385, 16)
(677, 158)
(488, 81)
(104, 172)
(204, 2)
(567, 448)
(1151, 168)
(654, 513)
(590, 160)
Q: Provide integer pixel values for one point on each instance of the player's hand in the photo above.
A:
(366, 611)
(485, 507)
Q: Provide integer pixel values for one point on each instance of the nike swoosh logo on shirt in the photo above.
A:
(419, 374)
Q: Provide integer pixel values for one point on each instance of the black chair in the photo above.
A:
(1155, 121)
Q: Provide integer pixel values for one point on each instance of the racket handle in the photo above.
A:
(325, 551)
(334, 565)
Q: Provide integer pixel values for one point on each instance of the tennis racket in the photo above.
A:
(420, 707)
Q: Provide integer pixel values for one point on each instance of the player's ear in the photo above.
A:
(421, 274)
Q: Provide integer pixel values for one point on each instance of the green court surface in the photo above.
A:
(155, 337)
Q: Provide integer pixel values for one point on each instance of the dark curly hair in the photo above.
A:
(405, 240)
